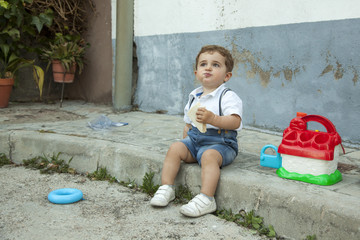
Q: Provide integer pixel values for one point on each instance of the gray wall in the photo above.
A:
(280, 70)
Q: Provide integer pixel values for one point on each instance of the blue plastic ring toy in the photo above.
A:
(65, 196)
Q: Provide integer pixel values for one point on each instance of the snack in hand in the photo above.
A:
(192, 115)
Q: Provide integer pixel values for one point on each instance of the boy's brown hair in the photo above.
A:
(229, 62)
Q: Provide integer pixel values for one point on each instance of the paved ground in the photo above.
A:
(109, 211)
(295, 209)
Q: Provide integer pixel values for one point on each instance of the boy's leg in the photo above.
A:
(165, 194)
(211, 161)
(177, 152)
(204, 202)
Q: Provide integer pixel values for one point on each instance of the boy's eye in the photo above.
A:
(216, 65)
(202, 64)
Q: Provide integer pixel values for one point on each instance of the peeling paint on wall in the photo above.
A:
(251, 64)
(327, 69)
(339, 71)
(356, 75)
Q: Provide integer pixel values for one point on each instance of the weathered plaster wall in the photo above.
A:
(95, 83)
(177, 16)
(290, 56)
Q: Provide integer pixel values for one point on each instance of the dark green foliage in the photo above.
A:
(4, 160)
(148, 185)
(249, 220)
(183, 194)
(101, 174)
(52, 164)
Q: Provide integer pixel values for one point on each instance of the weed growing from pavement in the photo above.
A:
(252, 221)
(101, 174)
(248, 220)
(183, 194)
(52, 164)
(129, 184)
(148, 185)
(4, 160)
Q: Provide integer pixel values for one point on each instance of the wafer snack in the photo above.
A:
(192, 115)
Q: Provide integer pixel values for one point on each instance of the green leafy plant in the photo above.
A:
(4, 160)
(69, 16)
(68, 49)
(18, 30)
(249, 220)
(228, 215)
(10, 63)
(311, 237)
(19, 27)
(183, 194)
(130, 184)
(148, 185)
(52, 164)
(101, 174)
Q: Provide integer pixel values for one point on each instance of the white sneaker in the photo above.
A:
(198, 206)
(163, 196)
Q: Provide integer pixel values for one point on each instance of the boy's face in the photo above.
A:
(211, 70)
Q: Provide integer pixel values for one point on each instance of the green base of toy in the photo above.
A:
(323, 179)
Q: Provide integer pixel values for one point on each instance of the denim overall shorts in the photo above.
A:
(224, 141)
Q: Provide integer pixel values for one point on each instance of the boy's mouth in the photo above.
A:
(207, 74)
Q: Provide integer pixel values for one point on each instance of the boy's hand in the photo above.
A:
(204, 116)
(230, 122)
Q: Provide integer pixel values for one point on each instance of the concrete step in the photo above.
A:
(294, 208)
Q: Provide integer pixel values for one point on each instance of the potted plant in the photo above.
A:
(19, 29)
(10, 63)
(65, 54)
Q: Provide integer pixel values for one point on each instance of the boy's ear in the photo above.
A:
(228, 76)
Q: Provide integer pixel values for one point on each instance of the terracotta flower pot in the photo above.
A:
(60, 74)
(6, 85)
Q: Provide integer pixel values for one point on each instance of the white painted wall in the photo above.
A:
(157, 17)
(113, 19)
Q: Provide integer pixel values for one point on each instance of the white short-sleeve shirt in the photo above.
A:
(230, 103)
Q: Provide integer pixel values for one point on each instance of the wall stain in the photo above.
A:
(356, 76)
(339, 71)
(277, 74)
(252, 68)
(327, 69)
(289, 73)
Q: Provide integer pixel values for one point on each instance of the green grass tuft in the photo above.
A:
(4, 160)
(49, 165)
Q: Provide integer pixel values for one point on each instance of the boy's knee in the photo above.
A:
(177, 149)
(177, 146)
(211, 156)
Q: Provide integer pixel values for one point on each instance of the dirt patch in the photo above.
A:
(348, 168)
(108, 211)
(14, 116)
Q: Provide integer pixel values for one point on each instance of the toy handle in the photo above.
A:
(330, 128)
(269, 146)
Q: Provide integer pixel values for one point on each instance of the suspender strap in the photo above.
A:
(221, 96)
(191, 101)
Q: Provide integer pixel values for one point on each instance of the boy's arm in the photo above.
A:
(230, 122)
(186, 129)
